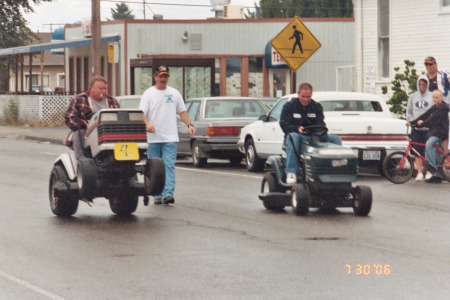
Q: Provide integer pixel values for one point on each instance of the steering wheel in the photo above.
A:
(316, 130)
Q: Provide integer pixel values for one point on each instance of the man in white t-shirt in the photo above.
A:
(161, 104)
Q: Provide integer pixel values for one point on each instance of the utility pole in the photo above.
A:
(144, 9)
(96, 38)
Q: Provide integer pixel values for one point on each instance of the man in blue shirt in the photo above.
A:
(297, 114)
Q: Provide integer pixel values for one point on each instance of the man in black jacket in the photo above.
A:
(436, 119)
(297, 114)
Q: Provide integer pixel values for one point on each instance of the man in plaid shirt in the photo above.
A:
(83, 106)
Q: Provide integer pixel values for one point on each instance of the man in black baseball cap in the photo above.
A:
(161, 70)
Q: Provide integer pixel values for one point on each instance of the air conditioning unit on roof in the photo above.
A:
(233, 12)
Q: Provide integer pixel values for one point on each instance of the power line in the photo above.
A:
(162, 3)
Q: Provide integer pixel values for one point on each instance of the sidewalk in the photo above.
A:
(42, 134)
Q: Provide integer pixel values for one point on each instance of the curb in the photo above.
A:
(41, 139)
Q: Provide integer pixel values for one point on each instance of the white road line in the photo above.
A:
(222, 173)
(30, 286)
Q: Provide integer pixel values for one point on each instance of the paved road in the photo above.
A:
(217, 241)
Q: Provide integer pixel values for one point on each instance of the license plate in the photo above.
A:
(371, 155)
(126, 151)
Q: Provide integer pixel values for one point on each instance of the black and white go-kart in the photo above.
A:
(114, 155)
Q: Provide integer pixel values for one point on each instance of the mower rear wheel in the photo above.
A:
(300, 199)
(61, 206)
(155, 176)
(269, 185)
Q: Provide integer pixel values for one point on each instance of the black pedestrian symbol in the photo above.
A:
(298, 35)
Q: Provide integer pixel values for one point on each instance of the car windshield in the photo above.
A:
(276, 110)
(230, 108)
(351, 105)
(129, 103)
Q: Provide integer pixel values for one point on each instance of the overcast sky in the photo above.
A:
(60, 12)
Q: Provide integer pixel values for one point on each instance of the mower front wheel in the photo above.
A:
(300, 199)
(362, 200)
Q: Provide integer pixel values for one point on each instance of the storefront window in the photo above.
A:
(192, 78)
(279, 82)
(197, 82)
(142, 79)
(255, 77)
(233, 77)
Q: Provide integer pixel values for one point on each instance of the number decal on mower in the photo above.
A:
(126, 151)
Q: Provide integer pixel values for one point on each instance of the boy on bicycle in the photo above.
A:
(436, 119)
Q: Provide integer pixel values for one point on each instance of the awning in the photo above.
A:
(55, 45)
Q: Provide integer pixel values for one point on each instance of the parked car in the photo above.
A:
(269, 101)
(363, 121)
(129, 101)
(217, 121)
(37, 89)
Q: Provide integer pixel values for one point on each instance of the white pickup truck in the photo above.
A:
(363, 121)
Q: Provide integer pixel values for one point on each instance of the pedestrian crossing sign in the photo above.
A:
(295, 43)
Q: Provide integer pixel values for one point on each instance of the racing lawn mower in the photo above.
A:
(114, 149)
(327, 174)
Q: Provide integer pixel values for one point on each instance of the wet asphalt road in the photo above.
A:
(217, 241)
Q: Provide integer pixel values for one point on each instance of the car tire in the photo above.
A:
(269, 185)
(155, 176)
(300, 199)
(197, 161)
(87, 177)
(124, 204)
(362, 200)
(61, 206)
(252, 161)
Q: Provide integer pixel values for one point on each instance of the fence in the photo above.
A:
(46, 109)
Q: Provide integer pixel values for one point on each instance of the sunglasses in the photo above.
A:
(429, 64)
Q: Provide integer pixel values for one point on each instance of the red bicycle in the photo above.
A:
(398, 167)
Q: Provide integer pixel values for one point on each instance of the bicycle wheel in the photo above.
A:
(398, 168)
(446, 167)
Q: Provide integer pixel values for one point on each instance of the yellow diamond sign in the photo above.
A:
(295, 43)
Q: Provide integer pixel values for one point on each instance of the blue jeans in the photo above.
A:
(431, 155)
(168, 153)
(292, 164)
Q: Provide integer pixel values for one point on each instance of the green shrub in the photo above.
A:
(404, 84)
(11, 113)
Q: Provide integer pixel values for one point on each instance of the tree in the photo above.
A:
(14, 31)
(403, 85)
(306, 8)
(253, 14)
(121, 12)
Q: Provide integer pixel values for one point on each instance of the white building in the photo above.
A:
(389, 32)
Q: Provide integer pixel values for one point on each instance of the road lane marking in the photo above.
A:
(221, 173)
(30, 286)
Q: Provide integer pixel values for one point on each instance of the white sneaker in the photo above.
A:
(419, 177)
(428, 175)
(291, 178)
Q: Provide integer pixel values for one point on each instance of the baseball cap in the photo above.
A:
(162, 70)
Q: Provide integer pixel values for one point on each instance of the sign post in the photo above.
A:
(295, 43)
